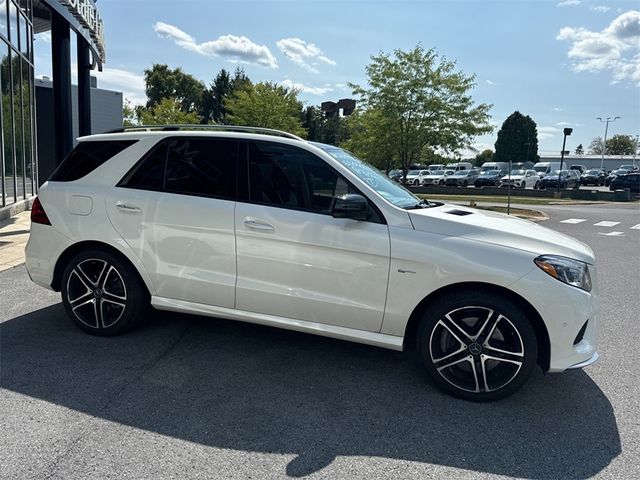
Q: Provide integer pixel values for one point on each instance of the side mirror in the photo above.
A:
(350, 206)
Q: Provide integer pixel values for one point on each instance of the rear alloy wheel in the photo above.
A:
(465, 184)
(477, 345)
(102, 294)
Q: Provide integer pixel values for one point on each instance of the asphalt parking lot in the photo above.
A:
(188, 397)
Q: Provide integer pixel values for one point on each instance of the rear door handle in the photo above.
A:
(126, 207)
(258, 224)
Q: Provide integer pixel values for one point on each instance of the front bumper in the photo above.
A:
(564, 310)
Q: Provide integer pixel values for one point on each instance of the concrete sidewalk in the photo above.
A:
(14, 234)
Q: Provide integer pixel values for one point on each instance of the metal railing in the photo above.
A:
(196, 127)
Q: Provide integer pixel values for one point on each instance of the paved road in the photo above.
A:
(186, 397)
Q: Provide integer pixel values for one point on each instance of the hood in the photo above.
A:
(498, 229)
(513, 177)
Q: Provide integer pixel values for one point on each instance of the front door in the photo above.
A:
(294, 259)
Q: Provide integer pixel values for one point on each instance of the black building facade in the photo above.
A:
(20, 20)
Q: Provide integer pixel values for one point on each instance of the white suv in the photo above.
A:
(264, 227)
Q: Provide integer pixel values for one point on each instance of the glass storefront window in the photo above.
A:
(17, 124)
(13, 23)
(7, 130)
(22, 25)
(26, 129)
(3, 18)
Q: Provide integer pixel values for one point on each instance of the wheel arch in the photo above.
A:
(76, 248)
(542, 335)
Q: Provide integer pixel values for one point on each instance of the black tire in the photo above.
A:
(523, 185)
(481, 337)
(103, 294)
(465, 183)
(536, 186)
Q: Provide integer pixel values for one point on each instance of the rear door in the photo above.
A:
(175, 209)
(294, 259)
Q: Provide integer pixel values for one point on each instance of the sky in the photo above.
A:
(563, 62)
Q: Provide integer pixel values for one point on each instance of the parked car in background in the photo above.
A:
(594, 177)
(459, 166)
(614, 174)
(490, 178)
(566, 179)
(521, 179)
(395, 174)
(462, 178)
(436, 178)
(414, 177)
(630, 181)
(580, 168)
(630, 168)
(315, 241)
(435, 167)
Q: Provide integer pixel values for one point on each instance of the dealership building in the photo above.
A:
(40, 118)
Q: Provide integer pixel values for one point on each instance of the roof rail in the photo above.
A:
(227, 128)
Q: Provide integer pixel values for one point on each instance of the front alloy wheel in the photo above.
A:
(477, 347)
(102, 294)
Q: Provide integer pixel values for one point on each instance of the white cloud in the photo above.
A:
(558, 109)
(306, 55)
(236, 49)
(563, 124)
(568, 3)
(599, 8)
(616, 48)
(547, 132)
(301, 87)
(491, 82)
(129, 83)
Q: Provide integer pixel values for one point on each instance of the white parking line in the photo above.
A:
(574, 220)
(636, 227)
(612, 234)
(605, 224)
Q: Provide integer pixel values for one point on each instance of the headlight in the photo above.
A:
(572, 272)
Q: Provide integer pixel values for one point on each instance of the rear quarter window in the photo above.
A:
(86, 157)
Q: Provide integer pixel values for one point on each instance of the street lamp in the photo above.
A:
(606, 129)
(567, 132)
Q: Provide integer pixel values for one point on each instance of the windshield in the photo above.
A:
(391, 191)
(411, 172)
(592, 172)
(438, 172)
(517, 172)
(540, 169)
(461, 173)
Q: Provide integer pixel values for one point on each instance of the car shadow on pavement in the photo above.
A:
(252, 388)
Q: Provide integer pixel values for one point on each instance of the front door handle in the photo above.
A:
(126, 207)
(256, 224)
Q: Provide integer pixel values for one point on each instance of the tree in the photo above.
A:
(421, 104)
(129, 117)
(621, 145)
(517, 140)
(366, 143)
(222, 87)
(161, 82)
(266, 104)
(485, 156)
(596, 146)
(167, 111)
(580, 150)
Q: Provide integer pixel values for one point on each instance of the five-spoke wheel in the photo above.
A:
(478, 347)
(102, 293)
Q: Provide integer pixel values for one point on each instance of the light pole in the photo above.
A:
(567, 132)
(606, 129)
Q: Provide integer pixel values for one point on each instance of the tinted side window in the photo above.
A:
(290, 177)
(202, 166)
(86, 157)
(148, 173)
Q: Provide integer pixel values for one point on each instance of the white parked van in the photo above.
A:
(494, 166)
(544, 168)
(459, 166)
